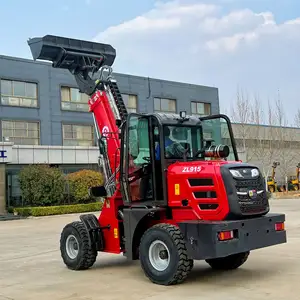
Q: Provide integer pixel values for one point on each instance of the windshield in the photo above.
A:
(190, 139)
(217, 130)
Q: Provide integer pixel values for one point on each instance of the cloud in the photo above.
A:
(199, 43)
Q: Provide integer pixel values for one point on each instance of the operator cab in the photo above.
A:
(152, 142)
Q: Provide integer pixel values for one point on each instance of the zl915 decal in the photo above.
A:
(191, 169)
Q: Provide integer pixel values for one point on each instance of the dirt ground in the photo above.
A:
(31, 268)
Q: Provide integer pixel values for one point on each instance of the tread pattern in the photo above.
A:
(185, 264)
(87, 256)
(230, 262)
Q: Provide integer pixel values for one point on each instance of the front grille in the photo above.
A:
(247, 204)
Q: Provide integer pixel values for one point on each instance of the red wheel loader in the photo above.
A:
(175, 189)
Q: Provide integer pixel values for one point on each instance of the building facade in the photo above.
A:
(263, 145)
(42, 107)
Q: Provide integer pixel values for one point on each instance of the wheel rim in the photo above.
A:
(159, 255)
(72, 246)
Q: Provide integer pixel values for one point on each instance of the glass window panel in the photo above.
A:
(65, 94)
(132, 101)
(7, 125)
(28, 102)
(75, 96)
(156, 104)
(13, 101)
(125, 98)
(172, 105)
(207, 109)
(33, 126)
(6, 87)
(20, 125)
(31, 90)
(5, 100)
(78, 135)
(21, 132)
(164, 104)
(200, 108)
(19, 88)
(7, 132)
(194, 108)
(33, 133)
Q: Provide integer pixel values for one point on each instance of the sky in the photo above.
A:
(249, 45)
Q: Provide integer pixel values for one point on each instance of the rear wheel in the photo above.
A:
(230, 262)
(163, 255)
(74, 247)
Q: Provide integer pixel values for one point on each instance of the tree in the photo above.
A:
(285, 138)
(297, 119)
(241, 116)
(261, 136)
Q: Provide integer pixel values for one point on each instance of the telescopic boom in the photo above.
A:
(87, 61)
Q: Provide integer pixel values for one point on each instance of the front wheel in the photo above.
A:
(230, 262)
(74, 247)
(163, 255)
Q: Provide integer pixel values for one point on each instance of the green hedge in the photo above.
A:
(42, 185)
(57, 210)
(80, 182)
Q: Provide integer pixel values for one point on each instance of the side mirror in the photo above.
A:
(118, 122)
(97, 191)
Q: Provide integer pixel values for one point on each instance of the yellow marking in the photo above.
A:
(115, 233)
(177, 189)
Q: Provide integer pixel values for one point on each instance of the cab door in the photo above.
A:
(137, 157)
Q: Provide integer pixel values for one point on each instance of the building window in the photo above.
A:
(164, 105)
(18, 93)
(21, 132)
(73, 100)
(200, 109)
(78, 135)
(130, 102)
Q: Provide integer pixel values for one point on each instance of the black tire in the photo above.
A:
(179, 265)
(229, 262)
(86, 257)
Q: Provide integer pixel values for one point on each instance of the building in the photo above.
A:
(44, 118)
(262, 145)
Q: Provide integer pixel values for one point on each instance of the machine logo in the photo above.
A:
(252, 193)
(105, 131)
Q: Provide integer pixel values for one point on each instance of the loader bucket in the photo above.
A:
(69, 53)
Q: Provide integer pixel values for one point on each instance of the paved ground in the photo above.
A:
(31, 268)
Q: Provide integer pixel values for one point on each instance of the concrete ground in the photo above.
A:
(31, 268)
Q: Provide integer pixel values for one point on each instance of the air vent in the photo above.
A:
(206, 206)
(201, 182)
(203, 194)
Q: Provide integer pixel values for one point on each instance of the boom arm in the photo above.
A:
(87, 62)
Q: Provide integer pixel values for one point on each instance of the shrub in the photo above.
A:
(41, 185)
(57, 210)
(81, 181)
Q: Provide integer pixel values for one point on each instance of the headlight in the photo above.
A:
(254, 173)
(236, 173)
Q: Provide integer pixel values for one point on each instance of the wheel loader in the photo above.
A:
(167, 200)
(294, 180)
(272, 184)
